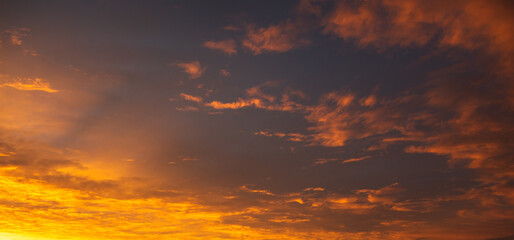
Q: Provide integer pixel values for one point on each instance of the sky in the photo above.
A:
(304, 119)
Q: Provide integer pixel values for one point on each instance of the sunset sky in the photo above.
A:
(304, 119)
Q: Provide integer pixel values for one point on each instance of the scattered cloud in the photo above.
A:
(462, 124)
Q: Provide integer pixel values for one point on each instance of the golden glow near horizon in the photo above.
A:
(36, 210)
(387, 119)
(36, 84)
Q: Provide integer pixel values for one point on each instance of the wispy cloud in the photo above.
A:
(260, 191)
(225, 73)
(226, 46)
(17, 35)
(295, 137)
(355, 159)
(325, 160)
(274, 39)
(191, 97)
(257, 98)
(28, 84)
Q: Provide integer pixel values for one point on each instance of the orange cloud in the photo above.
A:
(193, 69)
(274, 39)
(355, 159)
(29, 84)
(241, 103)
(191, 97)
(340, 117)
(314, 189)
(226, 46)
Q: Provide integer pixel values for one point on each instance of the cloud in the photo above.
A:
(355, 159)
(191, 97)
(30, 52)
(240, 103)
(226, 46)
(464, 121)
(47, 191)
(314, 189)
(225, 73)
(189, 159)
(188, 109)
(464, 124)
(278, 38)
(295, 137)
(340, 116)
(309, 7)
(17, 35)
(193, 69)
(28, 84)
(325, 160)
(255, 97)
(260, 191)
(408, 23)
(230, 28)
